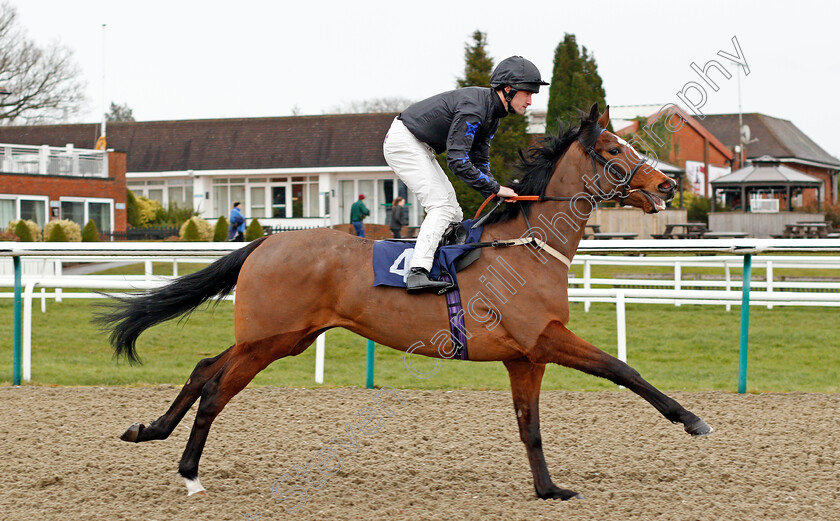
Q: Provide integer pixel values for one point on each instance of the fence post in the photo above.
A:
(745, 324)
(769, 271)
(587, 284)
(320, 343)
(621, 326)
(17, 348)
(677, 279)
(370, 361)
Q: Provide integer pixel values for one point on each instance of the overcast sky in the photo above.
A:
(185, 59)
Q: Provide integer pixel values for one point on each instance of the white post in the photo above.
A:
(59, 271)
(621, 327)
(769, 280)
(677, 279)
(320, 345)
(43, 158)
(148, 270)
(26, 355)
(43, 300)
(174, 267)
(728, 282)
(587, 284)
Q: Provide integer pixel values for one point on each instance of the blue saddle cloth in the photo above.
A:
(392, 259)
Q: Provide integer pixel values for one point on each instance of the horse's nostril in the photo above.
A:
(668, 186)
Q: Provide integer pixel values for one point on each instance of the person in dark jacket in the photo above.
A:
(398, 217)
(461, 122)
(358, 211)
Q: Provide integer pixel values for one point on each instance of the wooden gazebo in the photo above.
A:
(762, 175)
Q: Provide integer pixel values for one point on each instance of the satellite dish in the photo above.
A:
(745, 134)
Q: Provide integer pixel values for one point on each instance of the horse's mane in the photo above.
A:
(537, 166)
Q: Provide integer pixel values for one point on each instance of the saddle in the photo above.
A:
(454, 235)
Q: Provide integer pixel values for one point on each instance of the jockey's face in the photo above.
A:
(520, 101)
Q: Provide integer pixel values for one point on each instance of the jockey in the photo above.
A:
(461, 122)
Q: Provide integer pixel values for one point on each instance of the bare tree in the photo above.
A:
(43, 83)
(393, 104)
(119, 113)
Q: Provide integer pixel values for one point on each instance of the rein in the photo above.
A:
(610, 167)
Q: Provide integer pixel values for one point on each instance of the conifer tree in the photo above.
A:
(254, 231)
(90, 233)
(575, 84)
(220, 232)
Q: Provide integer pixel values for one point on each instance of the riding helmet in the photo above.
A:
(517, 72)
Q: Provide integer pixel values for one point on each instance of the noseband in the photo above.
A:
(625, 179)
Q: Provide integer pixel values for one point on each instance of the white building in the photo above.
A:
(289, 172)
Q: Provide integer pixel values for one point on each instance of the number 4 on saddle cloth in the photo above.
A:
(392, 258)
(392, 261)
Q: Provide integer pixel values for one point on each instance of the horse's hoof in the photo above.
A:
(699, 428)
(194, 487)
(132, 433)
(561, 494)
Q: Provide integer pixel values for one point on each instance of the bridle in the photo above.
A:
(609, 166)
(625, 179)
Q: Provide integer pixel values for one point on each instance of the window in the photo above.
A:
(225, 193)
(100, 214)
(80, 211)
(73, 210)
(33, 208)
(167, 192)
(258, 202)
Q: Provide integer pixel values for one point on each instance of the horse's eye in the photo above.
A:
(614, 151)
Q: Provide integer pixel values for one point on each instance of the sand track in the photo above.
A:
(442, 455)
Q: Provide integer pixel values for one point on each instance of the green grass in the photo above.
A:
(675, 348)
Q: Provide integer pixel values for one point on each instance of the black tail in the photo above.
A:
(135, 313)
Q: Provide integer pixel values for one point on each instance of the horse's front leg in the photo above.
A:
(525, 380)
(559, 345)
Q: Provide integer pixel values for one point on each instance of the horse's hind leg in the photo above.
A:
(525, 380)
(242, 365)
(161, 428)
(559, 345)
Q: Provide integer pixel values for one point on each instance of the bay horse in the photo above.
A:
(293, 286)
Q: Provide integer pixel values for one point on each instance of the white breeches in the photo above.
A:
(414, 163)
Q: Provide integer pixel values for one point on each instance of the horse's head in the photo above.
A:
(621, 173)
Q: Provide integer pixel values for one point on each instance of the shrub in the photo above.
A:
(22, 231)
(697, 207)
(72, 231)
(9, 236)
(132, 212)
(90, 233)
(190, 232)
(204, 232)
(57, 234)
(220, 232)
(832, 213)
(254, 231)
(32, 226)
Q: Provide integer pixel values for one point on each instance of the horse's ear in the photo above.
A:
(593, 112)
(604, 120)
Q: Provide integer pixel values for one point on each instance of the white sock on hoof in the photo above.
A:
(194, 486)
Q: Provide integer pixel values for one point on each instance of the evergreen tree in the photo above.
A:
(57, 234)
(22, 231)
(90, 233)
(191, 232)
(509, 138)
(575, 84)
(220, 232)
(132, 213)
(478, 65)
(254, 231)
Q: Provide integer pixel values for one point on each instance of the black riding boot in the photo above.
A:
(418, 281)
